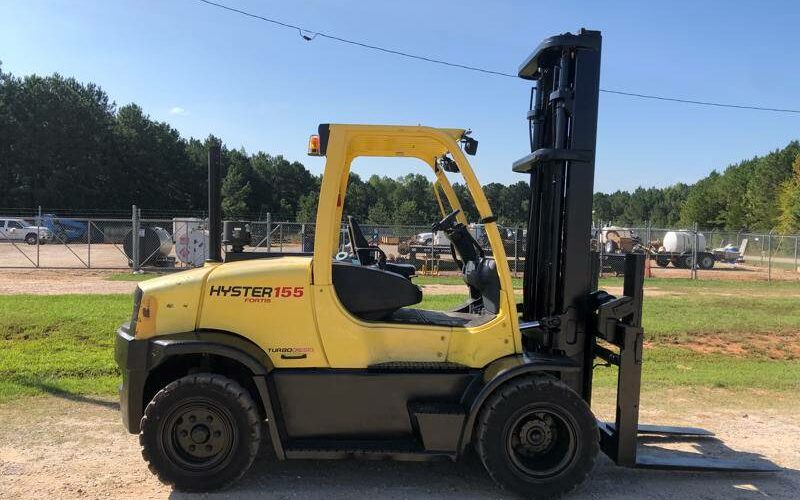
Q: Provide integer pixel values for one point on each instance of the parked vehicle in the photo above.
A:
(730, 253)
(677, 248)
(13, 229)
(427, 239)
(615, 239)
(64, 230)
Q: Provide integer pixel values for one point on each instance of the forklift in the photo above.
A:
(327, 356)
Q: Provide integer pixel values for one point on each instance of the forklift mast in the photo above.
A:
(562, 312)
(560, 274)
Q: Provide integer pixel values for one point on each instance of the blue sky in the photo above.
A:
(262, 87)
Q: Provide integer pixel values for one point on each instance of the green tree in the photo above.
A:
(307, 207)
(789, 201)
(704, 204)
(55, 142)
(379, 214)
(407, 213)
(237, 187)
(281, 184)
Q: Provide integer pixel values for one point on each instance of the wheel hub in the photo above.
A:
(537, 435)
(541, 442)
(200, 433)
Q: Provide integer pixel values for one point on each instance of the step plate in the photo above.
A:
(366, 454)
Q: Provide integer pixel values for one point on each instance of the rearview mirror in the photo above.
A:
(470, 146)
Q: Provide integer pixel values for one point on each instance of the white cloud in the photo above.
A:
(177, 110)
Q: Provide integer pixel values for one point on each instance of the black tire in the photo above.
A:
(662, 261)
(686, 261)
(200, 433)
(706, 261)
(31, 238)
(537, 437)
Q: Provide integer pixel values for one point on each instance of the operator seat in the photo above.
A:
(372, 293)
(365, 253)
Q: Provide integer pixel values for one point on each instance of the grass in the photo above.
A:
(666, 366)
(59, 343)
(64, 343)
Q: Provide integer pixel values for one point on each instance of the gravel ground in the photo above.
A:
(57, 447)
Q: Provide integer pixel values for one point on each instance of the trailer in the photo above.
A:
(678, 249)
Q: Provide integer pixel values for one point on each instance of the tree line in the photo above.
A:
(65, 145)
(762, 193)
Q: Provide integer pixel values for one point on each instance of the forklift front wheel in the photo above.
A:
(200, 432)
(537, 437)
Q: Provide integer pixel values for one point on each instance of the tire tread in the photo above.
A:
(509, 391)
(228, 385)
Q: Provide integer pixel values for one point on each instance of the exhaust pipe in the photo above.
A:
(214, 204)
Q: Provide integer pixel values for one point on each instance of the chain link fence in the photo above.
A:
(699, 253)
(174, 243)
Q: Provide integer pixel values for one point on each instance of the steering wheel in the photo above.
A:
(447, 223)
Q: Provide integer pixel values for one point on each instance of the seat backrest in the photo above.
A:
(483, 277)
(359, 243)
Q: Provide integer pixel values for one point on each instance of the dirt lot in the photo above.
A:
(60, 281)
(111, 256)
(56, 447)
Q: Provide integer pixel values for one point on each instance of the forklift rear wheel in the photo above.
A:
(200, 432)
(537, 437)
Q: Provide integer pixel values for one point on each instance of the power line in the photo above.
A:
(701, 103)
(309, 35)
(315, 34)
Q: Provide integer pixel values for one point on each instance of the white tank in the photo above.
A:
(682, 241)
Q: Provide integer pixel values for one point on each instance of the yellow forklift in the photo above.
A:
(334, 359)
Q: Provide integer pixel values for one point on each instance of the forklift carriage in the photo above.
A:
(333, 360)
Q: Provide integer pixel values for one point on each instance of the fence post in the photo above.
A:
(89, 243)
(516, 249)
(795, 252)
(769, 256)
(269, 232)
(602, 247)
(135, 240)
(38, 234)
(694, 253)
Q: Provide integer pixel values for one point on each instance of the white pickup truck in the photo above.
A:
(14, 229)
